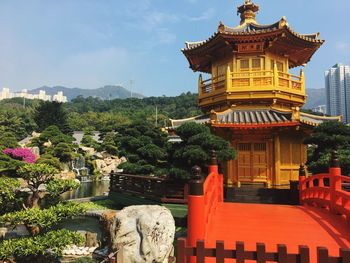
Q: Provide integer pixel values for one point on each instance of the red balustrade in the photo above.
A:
(326, 190)
(213, 194)
(203, 199)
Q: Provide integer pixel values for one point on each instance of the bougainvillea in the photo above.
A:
(22, 154)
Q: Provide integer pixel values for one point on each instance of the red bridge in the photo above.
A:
(316, 231)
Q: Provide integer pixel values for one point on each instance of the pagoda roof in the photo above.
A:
(315, 120)
(277, 37)
(202, 119)
(256, 118)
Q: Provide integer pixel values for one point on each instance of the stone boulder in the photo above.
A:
(145, 233)
(108, 164)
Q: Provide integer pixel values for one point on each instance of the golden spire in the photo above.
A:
(247, 11)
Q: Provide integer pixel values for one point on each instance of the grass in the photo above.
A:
(99, 205)
(179, 211)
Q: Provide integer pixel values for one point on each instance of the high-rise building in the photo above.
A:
(337, 81)
(5, 93)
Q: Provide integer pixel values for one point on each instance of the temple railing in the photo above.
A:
(213, 195)
(326, 190)
(162, 190)
(220, 253)
(214, 83)
(243, 83)
(203, 199)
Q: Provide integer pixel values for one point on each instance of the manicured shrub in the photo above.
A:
(51, 243)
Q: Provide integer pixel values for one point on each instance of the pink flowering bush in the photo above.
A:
(22, 154)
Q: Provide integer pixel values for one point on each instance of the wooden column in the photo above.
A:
(277, 160)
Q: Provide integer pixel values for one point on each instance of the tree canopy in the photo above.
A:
(149, 152)
(327, 137)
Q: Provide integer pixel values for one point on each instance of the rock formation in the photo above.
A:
(109, 164)
(146, 234)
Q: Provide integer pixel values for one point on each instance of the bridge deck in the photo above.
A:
(279, 224)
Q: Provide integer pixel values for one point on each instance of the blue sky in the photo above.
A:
(92, 43)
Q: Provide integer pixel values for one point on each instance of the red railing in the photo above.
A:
(203, 199)
(260, 255)
(326, 190)
(213, 194)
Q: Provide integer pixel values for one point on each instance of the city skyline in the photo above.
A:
(337, 82)
(6, 93)
(92, 44)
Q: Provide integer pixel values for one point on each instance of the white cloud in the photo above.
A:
(206, 15)
(343, 46)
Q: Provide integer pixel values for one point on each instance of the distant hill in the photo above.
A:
(105, 93)
(315, 98)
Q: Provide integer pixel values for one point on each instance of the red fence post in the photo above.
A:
(181, 250)
(213, 167)
(195, 214)
(335, 180)
(302, 186)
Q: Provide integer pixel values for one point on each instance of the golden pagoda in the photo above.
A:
(251, 98)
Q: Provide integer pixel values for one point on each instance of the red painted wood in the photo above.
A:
(261, 250)
(345, 254)
(200, 255)
(220, 252)
(322, 255)
(304, 253)
(181, 250)
(282, 254)
(240, 252)
(278, 224)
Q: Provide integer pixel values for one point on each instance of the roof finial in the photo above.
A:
(247, 11)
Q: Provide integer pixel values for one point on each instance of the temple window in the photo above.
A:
(256, 64)
(280, 66)
(244, 64)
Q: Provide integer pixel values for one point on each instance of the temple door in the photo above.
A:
(252, 162)
(259, 164)
(244, 162)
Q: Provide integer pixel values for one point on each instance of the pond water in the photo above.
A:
(88, 189)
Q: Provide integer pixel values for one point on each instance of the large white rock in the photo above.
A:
(145, 232)
(109, 164)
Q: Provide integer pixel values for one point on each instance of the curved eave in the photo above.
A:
(255, 126)
(307, 45)
(315, 120)
(308, 38)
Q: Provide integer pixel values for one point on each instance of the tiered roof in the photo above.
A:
(255, 118)
(277, 38)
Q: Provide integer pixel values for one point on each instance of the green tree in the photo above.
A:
(36, 175)
(51, 113)
(325, 138)
(50, 160)
(63, 152)
(53, 135)
(10, 198)
(197, 143)
(8, 140)
(144, 147)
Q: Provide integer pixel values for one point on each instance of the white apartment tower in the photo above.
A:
(337, 80)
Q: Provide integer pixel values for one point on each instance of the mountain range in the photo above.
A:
(315, 98)
(107, 92)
